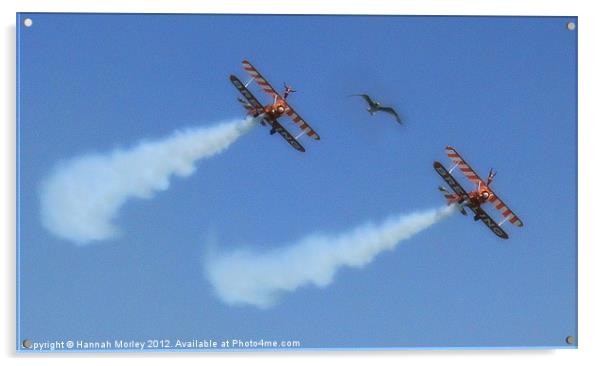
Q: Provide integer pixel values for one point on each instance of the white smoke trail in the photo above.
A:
(245, 277)
(81, 197)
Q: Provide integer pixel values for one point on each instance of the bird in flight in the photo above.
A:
(377, 107)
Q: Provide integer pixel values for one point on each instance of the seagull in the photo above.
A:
(376, 106)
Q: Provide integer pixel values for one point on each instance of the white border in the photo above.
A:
(589, 25)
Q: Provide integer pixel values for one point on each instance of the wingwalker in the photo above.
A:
(475, 199)
(270, 113)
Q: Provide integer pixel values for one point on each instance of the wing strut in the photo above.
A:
(452, 168)
(301, 134)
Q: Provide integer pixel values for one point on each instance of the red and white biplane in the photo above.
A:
(474, 199)
(270, 113)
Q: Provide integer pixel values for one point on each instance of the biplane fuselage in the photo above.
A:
(475, 198)
(272, 112)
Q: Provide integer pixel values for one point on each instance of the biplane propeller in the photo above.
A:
(474, 200)
(270, 113)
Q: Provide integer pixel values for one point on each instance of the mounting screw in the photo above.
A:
(26, 343)
(569, 340)
(570, 26)
(28, 22)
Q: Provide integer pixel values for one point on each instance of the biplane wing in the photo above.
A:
(260, 80)
(276, 126)
(480, 214)
(472, 176)
(300, 122)
(450, 180)
(245, 92)
(506, 212)
(265, 85)
(463, 166)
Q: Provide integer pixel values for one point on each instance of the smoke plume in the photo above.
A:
(81, 196)
(254, 278)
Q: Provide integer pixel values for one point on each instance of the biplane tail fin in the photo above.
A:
(452, 199)
(250, 110)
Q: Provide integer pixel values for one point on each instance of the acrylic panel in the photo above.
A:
(293, 182)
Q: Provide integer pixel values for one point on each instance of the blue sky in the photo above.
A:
(500, 90)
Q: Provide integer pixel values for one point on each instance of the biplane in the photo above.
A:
(270, 113)
(474, 200)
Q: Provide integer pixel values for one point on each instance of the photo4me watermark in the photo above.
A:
(156, 344)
